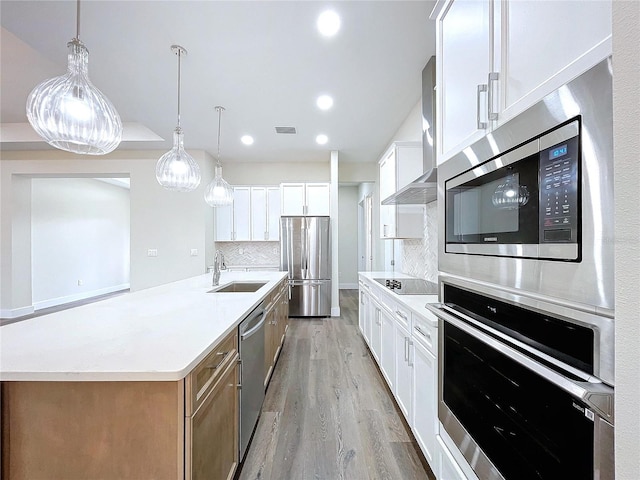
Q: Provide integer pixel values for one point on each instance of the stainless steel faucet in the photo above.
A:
(218, 265)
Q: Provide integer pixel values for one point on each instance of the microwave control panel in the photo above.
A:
(559, 179)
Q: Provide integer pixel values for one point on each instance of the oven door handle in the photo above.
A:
(596, 394)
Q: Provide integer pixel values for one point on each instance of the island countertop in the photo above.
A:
(157, 334)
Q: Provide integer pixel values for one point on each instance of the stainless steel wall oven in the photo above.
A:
(519, 393)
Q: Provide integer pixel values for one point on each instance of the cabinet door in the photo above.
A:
(213, 431)
(448, 468)
(388, 187)
(404, 374)
(269, 353)
(224, 223)
(425, 401)
(242, 213)
(317, 199)
(292, 196)
(387, 349)
(258, 214)
(570, 38)
(361, 309)
(376, 332)
(464, 60)
(273, 213)
(368, 318)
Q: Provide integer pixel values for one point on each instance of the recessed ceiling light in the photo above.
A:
(322, 139)
(324, 102)
(247, 139)
(328, 23)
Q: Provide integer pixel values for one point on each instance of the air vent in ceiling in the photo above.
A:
(286, 130)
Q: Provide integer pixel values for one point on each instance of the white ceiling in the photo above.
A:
(263, 60)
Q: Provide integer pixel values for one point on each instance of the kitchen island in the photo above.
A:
(137, 386)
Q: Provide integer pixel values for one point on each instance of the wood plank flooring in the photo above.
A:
(328, 413)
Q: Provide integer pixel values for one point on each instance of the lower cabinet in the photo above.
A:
(212, 431)
(404, 371)
(376, 330)
(388, 348)
(425, 401)
(448, 468)
(276, 324)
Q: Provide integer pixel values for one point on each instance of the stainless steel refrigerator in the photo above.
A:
(305, 252)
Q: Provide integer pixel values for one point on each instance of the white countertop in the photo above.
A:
(416, 303)
(157, 334)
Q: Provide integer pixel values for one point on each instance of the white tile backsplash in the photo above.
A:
(420, 256)
(253, 253)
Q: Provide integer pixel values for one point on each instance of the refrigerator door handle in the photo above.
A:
(290, 248)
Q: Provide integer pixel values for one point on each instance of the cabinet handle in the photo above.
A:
(224, 357)
(493, 77)
(481, 88)
(401, 315)
(406, 341)
(424, 334)
(409, 361)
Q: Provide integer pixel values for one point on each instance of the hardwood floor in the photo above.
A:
(328, 413)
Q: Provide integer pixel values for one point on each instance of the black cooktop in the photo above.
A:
(409, 286)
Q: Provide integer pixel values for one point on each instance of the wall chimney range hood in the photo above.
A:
(423, 189)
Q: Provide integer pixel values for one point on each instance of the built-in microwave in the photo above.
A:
(521, 203)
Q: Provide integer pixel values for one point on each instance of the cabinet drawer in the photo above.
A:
(401, 314)
(425, 333)
(204, 376)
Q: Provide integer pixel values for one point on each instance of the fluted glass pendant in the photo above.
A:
(70, 113)
(177, 170)
(218, 193)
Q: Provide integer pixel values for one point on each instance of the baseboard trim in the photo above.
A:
(53, 302)
(348, 286)
(16, 312)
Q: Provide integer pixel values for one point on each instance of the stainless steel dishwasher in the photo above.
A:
(251, 334)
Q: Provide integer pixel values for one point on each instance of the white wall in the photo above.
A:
(276, 173)
(171, 222)
(626, 114)
(348, 241)
(79, 233)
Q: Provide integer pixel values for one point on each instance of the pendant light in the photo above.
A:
(69, 112)
(218, 193)
(177, 170)
(510, 195)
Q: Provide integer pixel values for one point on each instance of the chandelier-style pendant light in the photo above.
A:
(177, 170)
(218, 193)
(69, 112)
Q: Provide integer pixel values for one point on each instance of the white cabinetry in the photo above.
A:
(388, 348)
(489, 69)
(447, 468)
(376, 329)
(399, 166)
(404, 370)
(425, 387)
(310, 199)
(265, 213)
(253, 216)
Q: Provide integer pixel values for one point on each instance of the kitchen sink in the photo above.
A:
(239, 287)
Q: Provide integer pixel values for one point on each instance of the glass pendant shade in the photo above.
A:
(510, 195)
(177, 170)
(218, 193)
(70, 113)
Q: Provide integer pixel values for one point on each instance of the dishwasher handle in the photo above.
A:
(257, 327)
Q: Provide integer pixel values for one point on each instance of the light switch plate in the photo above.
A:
(152, 252)
(194, 252)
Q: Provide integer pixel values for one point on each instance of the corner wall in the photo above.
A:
(174, 223)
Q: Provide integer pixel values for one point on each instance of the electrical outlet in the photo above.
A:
(241, 251)
(80, 282)
(152, 252)
(194, 252)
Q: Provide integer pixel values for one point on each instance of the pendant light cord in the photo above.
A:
(219, 109)
(179, 55)
(78, 20)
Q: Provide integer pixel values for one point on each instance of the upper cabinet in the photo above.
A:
(399, 166)
(497, 58)
(254, 215)
(310, 199)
